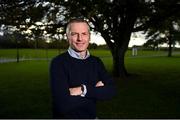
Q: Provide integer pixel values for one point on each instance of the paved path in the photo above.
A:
(8, 60)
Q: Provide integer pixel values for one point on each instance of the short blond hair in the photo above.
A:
(76, 20)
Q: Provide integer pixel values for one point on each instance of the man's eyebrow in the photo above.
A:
(84, 32)
(73, 32)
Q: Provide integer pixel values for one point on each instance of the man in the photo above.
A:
(78, 79)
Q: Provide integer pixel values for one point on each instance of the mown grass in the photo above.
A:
(25, 90)
(29, 53)
(152, 90)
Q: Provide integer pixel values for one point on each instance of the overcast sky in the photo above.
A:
(139, 39)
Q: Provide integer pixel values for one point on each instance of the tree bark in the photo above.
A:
(170, 48)
(170, 43)
(119, 69)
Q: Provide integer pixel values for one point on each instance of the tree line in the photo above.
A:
(20, 41)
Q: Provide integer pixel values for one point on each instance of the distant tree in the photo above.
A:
(32, 18)
(154, 41)
(166, 34)
(63, 44)
(93, 46)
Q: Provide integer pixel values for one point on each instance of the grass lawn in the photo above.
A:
(153, 90)
(25, 90)
(28, 53)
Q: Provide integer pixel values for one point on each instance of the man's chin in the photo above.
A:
(79, 49)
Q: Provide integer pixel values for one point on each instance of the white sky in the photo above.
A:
(139, 39)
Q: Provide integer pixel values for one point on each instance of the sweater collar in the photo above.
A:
(75, 54)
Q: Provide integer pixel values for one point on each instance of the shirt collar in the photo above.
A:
(75, 54)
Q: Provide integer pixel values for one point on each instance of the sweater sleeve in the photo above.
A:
(63, 102)
(105, 92)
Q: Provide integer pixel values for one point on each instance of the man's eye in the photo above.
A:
(85, 33)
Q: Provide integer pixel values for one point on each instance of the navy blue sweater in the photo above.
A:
(67, 72)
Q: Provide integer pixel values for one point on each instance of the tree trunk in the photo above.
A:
(170, 45)
(170, 49)
(119, 69)
(118, 54)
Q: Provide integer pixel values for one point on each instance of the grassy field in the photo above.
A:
(153, 90)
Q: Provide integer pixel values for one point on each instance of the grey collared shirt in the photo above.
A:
(75, 54)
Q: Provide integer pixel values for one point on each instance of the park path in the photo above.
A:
(8, 60)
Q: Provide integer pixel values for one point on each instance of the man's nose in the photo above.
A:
(79, 37)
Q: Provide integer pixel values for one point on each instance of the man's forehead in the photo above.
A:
(79, 26)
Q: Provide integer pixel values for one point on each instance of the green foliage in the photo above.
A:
(164, 30)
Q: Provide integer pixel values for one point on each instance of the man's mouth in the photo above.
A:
(79, 44)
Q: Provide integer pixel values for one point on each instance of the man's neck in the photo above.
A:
(78, 55)
(82, 54)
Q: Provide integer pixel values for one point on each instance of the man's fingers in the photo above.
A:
(99, 84)
(75, 91)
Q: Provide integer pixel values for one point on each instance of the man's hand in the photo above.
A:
(75, 91)
(99, 84)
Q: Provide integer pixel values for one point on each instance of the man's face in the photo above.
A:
(79, 36)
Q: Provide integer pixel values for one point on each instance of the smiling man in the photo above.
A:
(78, 79)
